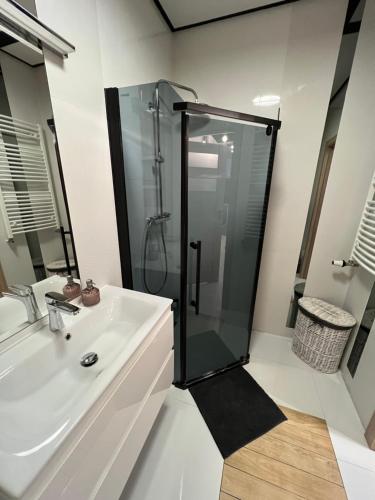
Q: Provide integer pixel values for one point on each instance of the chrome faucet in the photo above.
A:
(25, 294)
(56, 304)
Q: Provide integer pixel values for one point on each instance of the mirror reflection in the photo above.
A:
(332, 125)
(36, 241)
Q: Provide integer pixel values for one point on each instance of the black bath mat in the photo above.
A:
(236, 409)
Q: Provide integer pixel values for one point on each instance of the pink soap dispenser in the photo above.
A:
(90, 295)
(71, 290)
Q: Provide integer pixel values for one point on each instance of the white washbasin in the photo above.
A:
(44, 391)
(13, 316)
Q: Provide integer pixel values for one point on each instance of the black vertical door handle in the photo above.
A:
(197, 245)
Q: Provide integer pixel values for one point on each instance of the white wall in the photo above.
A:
(290, 51)
(77, 96)
(231, 62)
(348, 184)
(135, 42)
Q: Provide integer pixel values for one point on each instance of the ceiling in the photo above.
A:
(183, 14)
(180, 14)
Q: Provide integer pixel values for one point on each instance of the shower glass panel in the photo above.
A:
(154, 241)
(227, 178)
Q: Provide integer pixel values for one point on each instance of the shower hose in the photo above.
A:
(148, 227)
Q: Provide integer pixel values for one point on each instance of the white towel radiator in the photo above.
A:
(27, 200)
(363, 252)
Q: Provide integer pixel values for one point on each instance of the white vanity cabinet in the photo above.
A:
(97, 457)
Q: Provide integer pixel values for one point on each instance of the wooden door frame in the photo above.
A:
(317, 207)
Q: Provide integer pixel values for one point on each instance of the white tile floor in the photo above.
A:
(181, 462)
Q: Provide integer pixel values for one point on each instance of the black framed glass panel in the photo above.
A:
(226, 178)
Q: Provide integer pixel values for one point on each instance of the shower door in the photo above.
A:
(225, 179)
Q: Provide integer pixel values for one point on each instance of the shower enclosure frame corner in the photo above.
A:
(112, 101)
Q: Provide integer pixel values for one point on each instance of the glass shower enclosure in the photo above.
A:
(191, 186)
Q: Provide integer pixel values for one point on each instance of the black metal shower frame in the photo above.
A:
(119, 186)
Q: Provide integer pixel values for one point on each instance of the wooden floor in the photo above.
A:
(295, 460)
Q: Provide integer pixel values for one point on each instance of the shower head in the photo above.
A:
(177, 85)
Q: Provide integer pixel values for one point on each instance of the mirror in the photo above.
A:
(36, 241)
(332, 125)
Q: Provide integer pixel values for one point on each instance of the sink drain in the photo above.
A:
(89, 359)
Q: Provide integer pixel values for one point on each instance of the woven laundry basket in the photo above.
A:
(321, 333)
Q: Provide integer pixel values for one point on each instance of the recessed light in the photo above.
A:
(266, 100)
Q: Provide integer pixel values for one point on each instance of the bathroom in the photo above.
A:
(126, 423)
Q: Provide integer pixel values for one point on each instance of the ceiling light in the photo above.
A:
(266, 100)
(224, 138)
